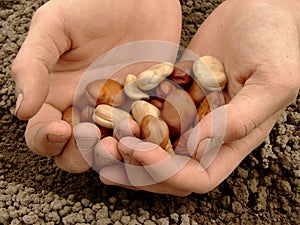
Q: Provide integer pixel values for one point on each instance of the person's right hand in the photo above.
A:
(258, 43)
(65, 37)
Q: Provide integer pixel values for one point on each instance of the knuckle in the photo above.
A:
(69, 165)
(41, 12)
(247, 125)
(205, 189)
(15, 68)
(288, 88)
(239, 128)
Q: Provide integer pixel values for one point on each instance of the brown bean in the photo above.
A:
(178, 112)
(164, 89)
(157, 103)
(71, 115)
(182, 73)
(196, 93)
(154, 130)
(213, 100)
(105, 91)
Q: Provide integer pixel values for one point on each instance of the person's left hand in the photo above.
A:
(64, 39)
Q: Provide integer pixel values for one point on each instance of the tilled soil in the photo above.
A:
(264, 189)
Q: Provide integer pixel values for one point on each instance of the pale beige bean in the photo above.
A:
(210, 73)
(132, 90)
(107, 116)
(151, 78)
(141, 108)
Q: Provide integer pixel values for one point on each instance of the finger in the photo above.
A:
(45, 42)
(126, 146)
(125, 175)
(129, 175)
(136, 174)
(46, 134)
(126, 127)
(116, 175)
(106, 153)
(71, 159)
(78, 154)
(157, 165)
(86, 135)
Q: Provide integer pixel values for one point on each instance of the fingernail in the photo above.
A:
(57, 139)
(126, 157)
(193, 141)
(202, 148)
(19, 101)
(212, 148)
(201, 168)
(86, 143)
(129, 159)
(205, 147)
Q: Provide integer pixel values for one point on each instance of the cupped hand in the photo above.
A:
(65, 37)
(258, 43)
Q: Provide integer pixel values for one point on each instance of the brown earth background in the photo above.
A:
(264, 189)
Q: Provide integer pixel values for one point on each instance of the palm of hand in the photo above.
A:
(95, 28)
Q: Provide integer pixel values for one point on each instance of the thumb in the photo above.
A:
(253, 105)
(45, 42)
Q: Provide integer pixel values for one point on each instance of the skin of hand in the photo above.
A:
(258, 43)
(65, 37)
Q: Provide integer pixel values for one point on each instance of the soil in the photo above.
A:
(264, 189)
